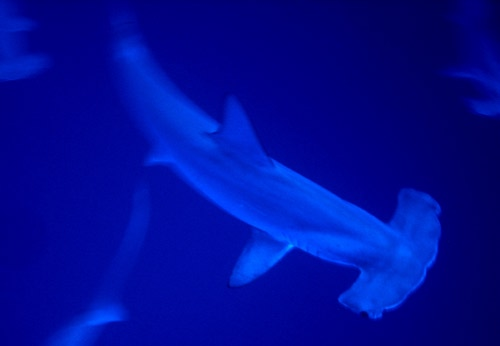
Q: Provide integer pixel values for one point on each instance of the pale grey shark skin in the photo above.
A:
(85, 329)
(226, 164)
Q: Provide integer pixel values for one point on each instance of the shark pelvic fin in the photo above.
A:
(259, 255)
(236, 133)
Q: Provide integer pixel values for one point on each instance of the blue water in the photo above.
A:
(347, 93)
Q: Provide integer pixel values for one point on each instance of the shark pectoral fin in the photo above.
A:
(259, 255)
(237, 135)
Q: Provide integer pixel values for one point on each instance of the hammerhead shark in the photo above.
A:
(15, 62)
(106, 307)
(227, 164)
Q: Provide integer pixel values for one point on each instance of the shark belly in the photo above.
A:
(289, 207)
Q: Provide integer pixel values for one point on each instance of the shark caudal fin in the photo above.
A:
(386, 285)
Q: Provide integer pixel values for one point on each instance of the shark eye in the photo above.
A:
(363, 314)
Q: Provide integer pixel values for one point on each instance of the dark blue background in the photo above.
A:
(347, 93)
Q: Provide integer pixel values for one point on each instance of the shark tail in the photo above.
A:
(386, 285)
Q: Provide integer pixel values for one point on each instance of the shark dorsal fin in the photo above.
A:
(259, 255)
(236, 133)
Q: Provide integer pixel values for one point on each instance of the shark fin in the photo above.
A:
(236, 133)
(260, 254)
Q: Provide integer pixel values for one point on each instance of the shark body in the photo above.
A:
(106, 307)
(480, 54)
(15, 62)
(226, 163)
